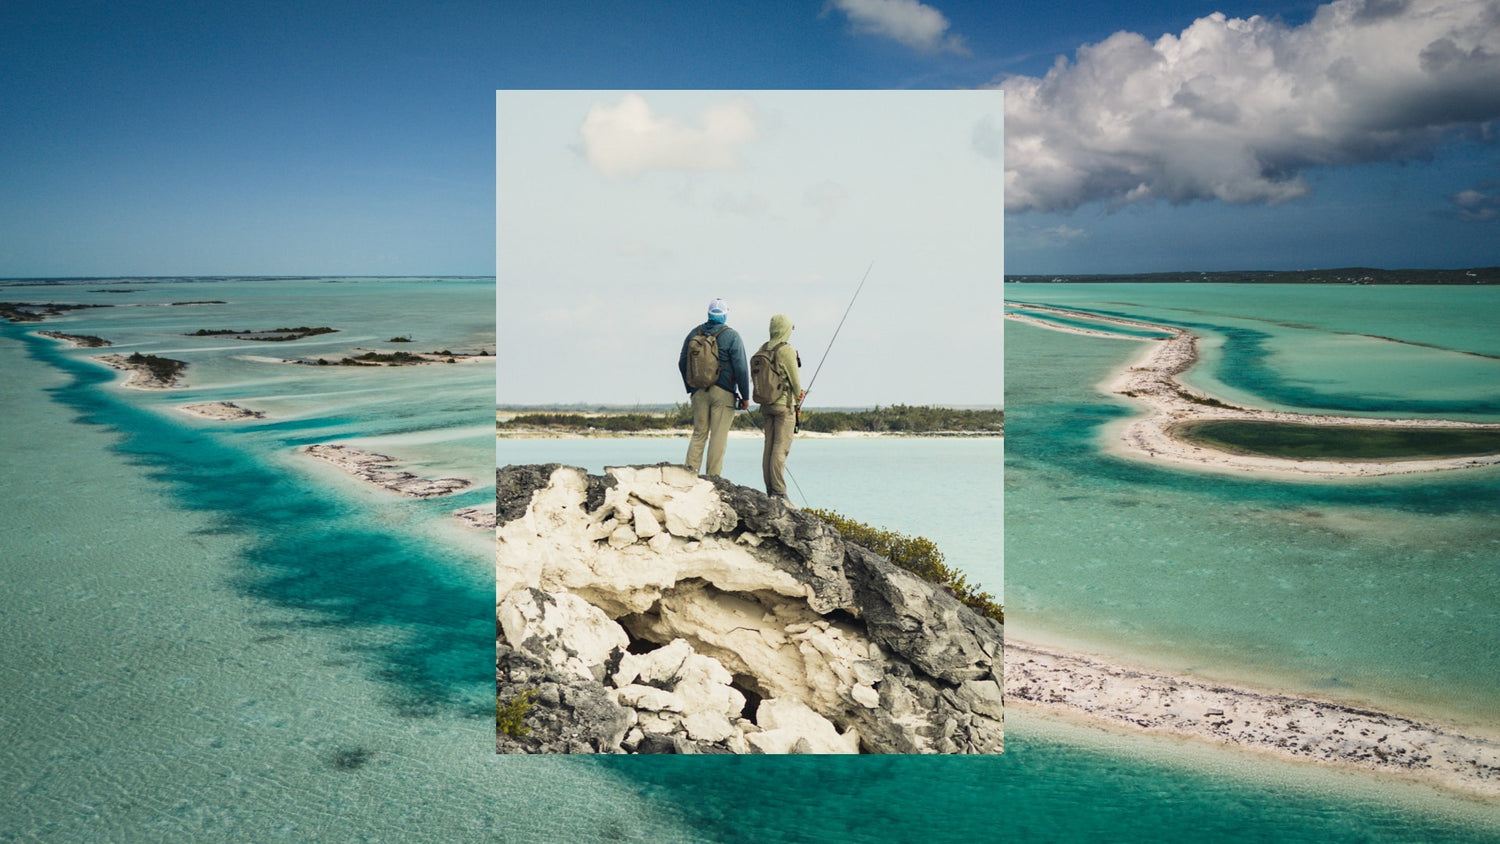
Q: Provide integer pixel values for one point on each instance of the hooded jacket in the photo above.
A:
(786, 358)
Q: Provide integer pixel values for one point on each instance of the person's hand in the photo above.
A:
(800, 396)
(744, 404)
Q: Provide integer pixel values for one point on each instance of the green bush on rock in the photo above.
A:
(917, 555)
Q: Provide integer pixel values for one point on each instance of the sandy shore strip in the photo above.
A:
(221, 410)
(1280, 725)
(376, 469)
(140, 375)
(1151, 379)
(85, 341)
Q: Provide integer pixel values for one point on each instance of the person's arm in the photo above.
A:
(787, 357)
(682, 360)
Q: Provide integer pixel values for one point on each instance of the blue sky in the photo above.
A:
(293, 138)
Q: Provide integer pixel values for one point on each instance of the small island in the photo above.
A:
(269, 335)
(370, 357)
(36, 312)
(147, 372)
(87, 341)
(224, 411)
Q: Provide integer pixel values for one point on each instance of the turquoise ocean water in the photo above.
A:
(209, 637)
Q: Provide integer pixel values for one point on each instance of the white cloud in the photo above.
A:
(1036, 239)
(1235, 109)
(909, 22)
(628, 139)
(1475, 206)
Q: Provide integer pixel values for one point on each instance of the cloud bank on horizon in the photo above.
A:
(1235, 110)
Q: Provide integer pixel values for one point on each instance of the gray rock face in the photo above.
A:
(714, 619)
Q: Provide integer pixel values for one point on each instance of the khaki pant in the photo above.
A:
(780, 423)
(713, 413)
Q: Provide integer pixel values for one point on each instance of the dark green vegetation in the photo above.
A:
(404, 339)
(1345, 275)
(202, 302)
(272, 335)
(510, 716)
(1339, 442)
(622, 422)
(394, 358)
(166, 370)
(897, 419)
(917, 555)
(116, 290)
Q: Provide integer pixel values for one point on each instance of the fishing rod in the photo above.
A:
(798, 426)
(840, 325)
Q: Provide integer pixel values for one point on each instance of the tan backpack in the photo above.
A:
(767, 379)
(703, 358)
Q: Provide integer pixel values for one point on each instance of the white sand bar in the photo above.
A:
(376, 469)
(1151, 380)
(221, 410)
(1279, 725)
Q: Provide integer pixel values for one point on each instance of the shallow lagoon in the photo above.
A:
(1376, 592)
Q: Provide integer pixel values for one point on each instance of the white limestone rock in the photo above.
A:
(790, 726)
(564, 630)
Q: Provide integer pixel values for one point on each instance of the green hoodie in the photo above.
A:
(786, 357)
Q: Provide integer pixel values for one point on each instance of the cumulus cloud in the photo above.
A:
(1235, 109)
(628, 139)
(1475, 205)
(909, 22)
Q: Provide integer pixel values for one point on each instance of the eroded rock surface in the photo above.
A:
(651, 610)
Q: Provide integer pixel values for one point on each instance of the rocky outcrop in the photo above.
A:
(651, 610)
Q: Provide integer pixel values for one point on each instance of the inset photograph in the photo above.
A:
(749, 420)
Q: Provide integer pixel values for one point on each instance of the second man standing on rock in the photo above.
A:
(775, 370)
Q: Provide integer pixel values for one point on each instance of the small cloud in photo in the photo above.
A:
(625, 140)
(1474, 205)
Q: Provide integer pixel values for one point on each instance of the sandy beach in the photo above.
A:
(1151, 380)
(1279, 725)
(376, 470)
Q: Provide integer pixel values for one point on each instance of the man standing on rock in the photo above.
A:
(713, 370)
(776, 370)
